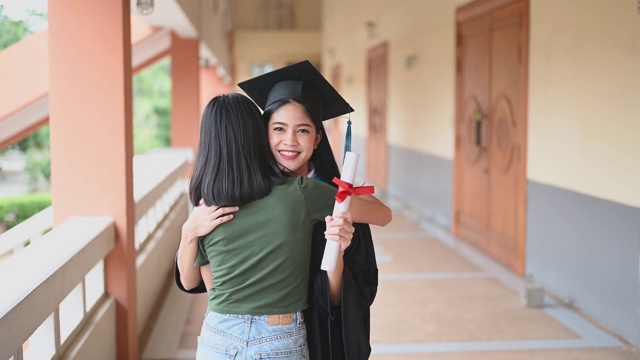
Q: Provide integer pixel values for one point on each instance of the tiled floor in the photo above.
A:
(438, 299)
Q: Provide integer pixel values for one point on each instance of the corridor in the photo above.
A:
(439, 299)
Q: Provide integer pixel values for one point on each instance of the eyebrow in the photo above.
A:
(285, 124)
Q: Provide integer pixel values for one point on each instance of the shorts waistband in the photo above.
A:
(272, 319)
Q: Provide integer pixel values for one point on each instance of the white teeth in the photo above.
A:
(289, 153)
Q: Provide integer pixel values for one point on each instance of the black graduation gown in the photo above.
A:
(342, 332)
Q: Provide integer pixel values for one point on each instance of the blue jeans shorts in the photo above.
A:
(240, 337)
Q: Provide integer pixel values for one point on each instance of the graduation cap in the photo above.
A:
(302, 82)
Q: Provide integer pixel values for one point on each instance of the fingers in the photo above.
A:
(334, 222)
(345, 242)
(340, 230)
(221, 220)
(224, 210)
(344, 215)
(223, 214)
(204, 219)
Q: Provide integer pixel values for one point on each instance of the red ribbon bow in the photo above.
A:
(345, 189)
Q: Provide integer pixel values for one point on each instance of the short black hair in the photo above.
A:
(234, 164)
(322, 157)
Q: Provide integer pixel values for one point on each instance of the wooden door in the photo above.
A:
(377, 152)
(490, 164)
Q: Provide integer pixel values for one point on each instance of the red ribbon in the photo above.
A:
(345, 189)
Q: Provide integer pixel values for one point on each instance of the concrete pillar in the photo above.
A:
(185, 94)
(91, 136)
(211, 85)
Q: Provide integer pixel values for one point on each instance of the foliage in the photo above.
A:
(16, 209)
(39, 140)
(151, 121)
(11, 30)
(152, 107)
(37, 167)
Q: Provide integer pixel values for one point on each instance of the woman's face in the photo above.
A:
(293, 137)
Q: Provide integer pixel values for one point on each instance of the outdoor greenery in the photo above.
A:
(152, 107)
(16, 209)
(151, 124)
(13, 30)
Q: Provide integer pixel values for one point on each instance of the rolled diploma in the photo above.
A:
(332, 248)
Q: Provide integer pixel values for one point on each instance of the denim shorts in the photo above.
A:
(240, 337)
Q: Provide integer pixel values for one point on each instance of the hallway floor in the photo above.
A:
(439, 299)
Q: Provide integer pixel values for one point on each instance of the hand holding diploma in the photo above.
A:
(343, 198)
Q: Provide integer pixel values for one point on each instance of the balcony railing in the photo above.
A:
(27, 232)
(53, 299)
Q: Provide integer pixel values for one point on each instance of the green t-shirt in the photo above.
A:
(260, 259)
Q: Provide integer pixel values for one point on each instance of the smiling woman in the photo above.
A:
(293, 137)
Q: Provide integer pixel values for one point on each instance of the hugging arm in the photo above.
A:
(202, 220)
(368, 209)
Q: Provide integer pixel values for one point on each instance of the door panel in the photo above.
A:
(473, 163)
(503, 142)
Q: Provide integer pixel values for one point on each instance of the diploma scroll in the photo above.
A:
(332, 248)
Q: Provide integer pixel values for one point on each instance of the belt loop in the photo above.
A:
(300, 318)
(248, 322)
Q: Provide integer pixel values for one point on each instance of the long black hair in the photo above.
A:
(234, 164)
(322, 157)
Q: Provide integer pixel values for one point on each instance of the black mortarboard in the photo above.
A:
(300, 81)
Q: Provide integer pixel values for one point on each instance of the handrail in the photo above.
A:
(65, 266)
(20, 235)
(45, 273)
(154, 174)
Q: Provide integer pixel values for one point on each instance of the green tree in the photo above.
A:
(11, 30)
(152, 107)
(18, 208)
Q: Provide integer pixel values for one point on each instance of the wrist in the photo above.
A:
(188, 235)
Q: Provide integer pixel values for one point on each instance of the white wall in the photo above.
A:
(281, 48)
(584, 84)
(421, 103)
(584, 97)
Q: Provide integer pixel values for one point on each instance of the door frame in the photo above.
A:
(384, 175)
(466, 13)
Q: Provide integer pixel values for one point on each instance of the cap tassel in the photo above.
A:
(347, 139)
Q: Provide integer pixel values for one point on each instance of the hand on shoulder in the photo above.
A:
(204, 219)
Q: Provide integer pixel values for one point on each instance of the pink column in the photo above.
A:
(91, 136)
(185, 97)
(211, 85)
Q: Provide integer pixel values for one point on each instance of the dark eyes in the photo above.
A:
(281, 129)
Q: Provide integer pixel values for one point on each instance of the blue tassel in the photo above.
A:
(347, 140)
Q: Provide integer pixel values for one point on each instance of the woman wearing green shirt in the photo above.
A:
(260, 260)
